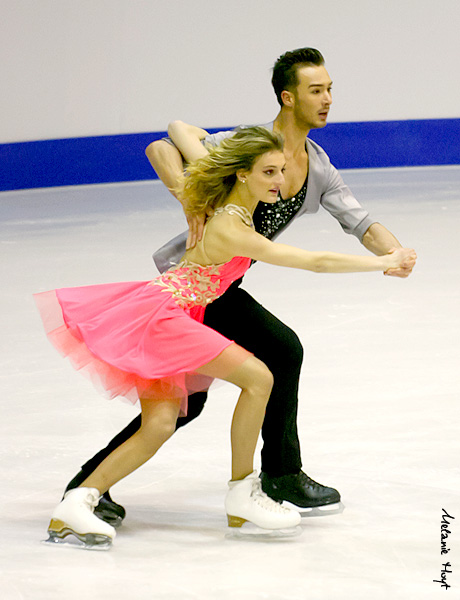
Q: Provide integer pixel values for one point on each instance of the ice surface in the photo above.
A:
(378, 412)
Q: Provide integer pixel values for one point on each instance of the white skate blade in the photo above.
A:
(250, 532)
(71, 539)
(317, 511)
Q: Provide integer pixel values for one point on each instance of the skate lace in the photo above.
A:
(304, 478)
(265, 501)
(91, 501)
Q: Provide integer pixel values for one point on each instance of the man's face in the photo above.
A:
(312, 97)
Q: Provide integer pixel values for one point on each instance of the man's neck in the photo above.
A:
(294, 134)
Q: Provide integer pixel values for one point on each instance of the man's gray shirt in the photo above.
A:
(325, 188)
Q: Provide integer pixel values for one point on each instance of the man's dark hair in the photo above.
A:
(285, 69)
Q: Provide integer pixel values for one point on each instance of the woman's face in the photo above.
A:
(266, 177)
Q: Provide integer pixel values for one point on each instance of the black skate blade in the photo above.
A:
(114, 520)
(117, 522)
(72, 539)
(251, 532)
(326, 510)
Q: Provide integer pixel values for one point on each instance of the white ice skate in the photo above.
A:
(74, 517)
(246, 501)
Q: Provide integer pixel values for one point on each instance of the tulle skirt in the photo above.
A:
(132, 340)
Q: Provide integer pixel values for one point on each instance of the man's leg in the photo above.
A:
(260, 332)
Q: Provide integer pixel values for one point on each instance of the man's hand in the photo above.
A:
(379, 241)
(404, 270)
(195, 229)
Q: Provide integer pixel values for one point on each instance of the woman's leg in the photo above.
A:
(195, 406)
(245, 500)
(241, 318)
(256, 382)
(157, 425)
(74, 515)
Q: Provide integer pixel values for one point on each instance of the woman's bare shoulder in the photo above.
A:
(224, 233)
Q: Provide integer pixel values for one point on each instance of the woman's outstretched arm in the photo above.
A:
(236, 239)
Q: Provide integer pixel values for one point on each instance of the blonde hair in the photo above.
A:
(208, 181)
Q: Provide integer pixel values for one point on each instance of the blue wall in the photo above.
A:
(115, 158)
(380, 144)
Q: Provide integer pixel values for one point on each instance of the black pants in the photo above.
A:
(239, 317)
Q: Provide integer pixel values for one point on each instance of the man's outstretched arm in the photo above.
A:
(339, 201)
(379, 241)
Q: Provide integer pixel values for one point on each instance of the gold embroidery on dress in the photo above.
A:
(235, 209)
(194, 284)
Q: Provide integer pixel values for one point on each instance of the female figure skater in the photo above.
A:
(146, 341)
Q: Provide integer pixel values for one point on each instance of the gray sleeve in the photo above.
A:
(214, 139)
(168, 140)
(171, 253)
(338, 200)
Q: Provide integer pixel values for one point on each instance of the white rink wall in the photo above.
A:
(73, 68)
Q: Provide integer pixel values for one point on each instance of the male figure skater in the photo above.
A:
(303, 89)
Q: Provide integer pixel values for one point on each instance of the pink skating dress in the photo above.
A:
(146, 339)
